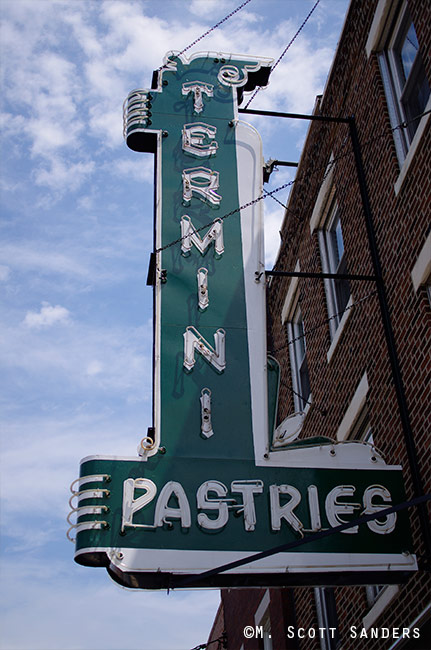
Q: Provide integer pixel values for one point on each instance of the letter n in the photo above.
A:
(194, 341)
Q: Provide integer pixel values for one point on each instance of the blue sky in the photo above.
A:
(76, 233)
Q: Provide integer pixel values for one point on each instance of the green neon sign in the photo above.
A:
(210, 485)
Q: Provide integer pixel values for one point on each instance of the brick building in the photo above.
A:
(328, 334)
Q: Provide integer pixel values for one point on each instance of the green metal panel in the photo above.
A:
(191, 473)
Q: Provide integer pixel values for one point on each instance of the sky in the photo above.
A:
(76, 234)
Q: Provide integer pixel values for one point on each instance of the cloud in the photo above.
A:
(63, 177)
(141, 168)
(47, 316)
(65, 360)
(94, 368)
(41, 258)
(4, 273)
(209, 8)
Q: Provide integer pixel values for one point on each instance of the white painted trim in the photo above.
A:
(290, 301)
(422, 268)
(354, 409)
(413, 147)
(192, 562)
(249, 165)
(262, 608)
(339, 330)
(353, 454)
(377, 33)
(387, 596)
(322, 197)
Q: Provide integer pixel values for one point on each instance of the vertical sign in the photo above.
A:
(210, 361)
(209, 486)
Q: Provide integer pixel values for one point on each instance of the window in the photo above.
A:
(327, 617)
(334, 261)
(403, 72)
(298, 360)
(291, 316)
(373, 592)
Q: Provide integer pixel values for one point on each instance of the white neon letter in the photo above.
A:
(248, 489)
(193, 340)
(132, 505)
(205, 503)
(388, 525)
(313, 504)
(194, 139)
(189, 237)
(198, 88)
(334, 508)
(163, 511)
(203, 182)
(279, 512)
(206, 425)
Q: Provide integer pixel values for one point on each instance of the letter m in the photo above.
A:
(190, 236)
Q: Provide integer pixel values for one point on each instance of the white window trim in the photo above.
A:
(377, 38)
(354, 409)
(262, 617)
(384, 599)
(322, 616)
(290, 301)
(262, 608)
(339, 330)
(332, 309)
(413, 147)
(380, 26)
(323, 197)
(422, 268)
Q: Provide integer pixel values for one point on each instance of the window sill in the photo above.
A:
(339, 330)
(413, 147)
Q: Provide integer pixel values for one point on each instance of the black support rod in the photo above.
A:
(295, 116)
(384, 309)
(314, 537)
(390, 342)
(321, 276)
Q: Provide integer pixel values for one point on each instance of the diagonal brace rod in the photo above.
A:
(418, 501)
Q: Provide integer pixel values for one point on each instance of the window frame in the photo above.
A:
(298, 357)
(389, 24)
(332, 262)
(262, 618)
(326, 610)
(402, 87)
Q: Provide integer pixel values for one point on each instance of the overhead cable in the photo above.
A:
(299, 179)
(223, 20)
(322, 323)
(284, 51)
